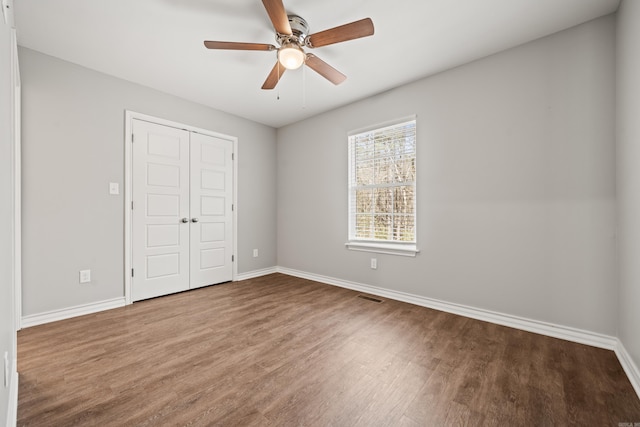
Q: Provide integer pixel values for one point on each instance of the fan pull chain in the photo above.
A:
(279, 75)
(304, 87)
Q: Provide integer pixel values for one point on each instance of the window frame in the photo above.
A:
(391, 247)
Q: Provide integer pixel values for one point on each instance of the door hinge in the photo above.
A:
(232, 258)
(132, 205)
(233, 156)
(132, 272)
(233, 207)
(132, 137)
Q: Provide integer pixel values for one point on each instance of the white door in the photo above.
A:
(160, 238)
(211, 210)
(182, 227)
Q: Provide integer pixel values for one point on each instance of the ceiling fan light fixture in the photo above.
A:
(291, 56)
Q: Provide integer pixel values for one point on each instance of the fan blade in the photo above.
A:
(324, 69)
(354, 30)
(238, 46)
(278, 16)
(274, 76)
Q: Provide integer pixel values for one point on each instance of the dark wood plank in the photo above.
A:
(279, 350)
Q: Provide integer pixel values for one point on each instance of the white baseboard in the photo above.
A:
(530, 325)
(12, 410)
(255, 273)
(630, 368)
(67, 313)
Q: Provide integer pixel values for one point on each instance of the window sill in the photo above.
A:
(384, 248)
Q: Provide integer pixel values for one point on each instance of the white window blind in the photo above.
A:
(382, 185)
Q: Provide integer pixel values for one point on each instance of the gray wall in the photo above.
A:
(73, 146)
(516, 195)
(7, 331)
(628, 174)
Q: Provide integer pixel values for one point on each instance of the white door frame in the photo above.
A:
(128, 131)
(17, 182)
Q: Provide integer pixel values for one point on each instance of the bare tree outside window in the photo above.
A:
(382, 184)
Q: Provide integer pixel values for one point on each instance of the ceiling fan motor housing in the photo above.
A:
(299, 30)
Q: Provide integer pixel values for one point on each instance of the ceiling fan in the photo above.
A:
(292, 35)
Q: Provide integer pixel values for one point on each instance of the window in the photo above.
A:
(382, 189)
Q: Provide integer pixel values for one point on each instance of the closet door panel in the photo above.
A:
(160, 238)
(211, 239)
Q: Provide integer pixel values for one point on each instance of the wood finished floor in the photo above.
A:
(278, 351)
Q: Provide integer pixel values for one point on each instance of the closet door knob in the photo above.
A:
(185, 220)
(194, 219)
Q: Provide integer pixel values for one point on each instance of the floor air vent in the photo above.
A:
(368, 298)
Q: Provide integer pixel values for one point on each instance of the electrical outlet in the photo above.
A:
(85, 276)
(374, 263)
(255, 253)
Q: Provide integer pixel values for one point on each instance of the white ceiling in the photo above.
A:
(158, 43)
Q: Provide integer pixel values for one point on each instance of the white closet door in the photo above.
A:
(211, 210)
(160, 238)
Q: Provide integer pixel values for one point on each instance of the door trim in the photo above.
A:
(17, 183)
(128, 189)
